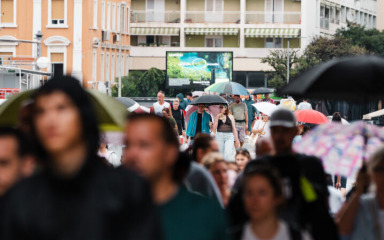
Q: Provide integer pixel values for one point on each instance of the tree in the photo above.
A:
(129, 85)
(151, 82)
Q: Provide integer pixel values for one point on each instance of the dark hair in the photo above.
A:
(167, 134)
(236, 95)
(23, 145)
(166, 110)
(245, 152)
(72, 88)
(336, 117)
(201, 141)
(227, 113)
(189, 94)
(265, 170)
(328, 179)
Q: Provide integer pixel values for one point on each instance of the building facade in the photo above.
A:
(80, 38)
(248, 28)
(380, 15)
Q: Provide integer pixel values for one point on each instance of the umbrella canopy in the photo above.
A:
(228, 88)
(262, 90)
(209, 99)
(310, 116)
(342, 148)
(111, 114)
(343, 121)
(266, 107)
(132, 105)
(371, 115)
(213, 110)
(354, 78)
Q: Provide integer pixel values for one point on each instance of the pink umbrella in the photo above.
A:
(213, 110)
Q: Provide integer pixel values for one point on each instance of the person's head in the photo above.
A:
(202, 145)
(237, 98)
(189, 96)
(336, 117)
(176, 104)
(266, 95)
(165, 112)
(218, 167)
(264, 147)
(262, 191)
(64, 119)
(246, 97)
(242, 157)
(160, 97)
(200, 108)
(16, 161)
(151, 147)
(254, 97)
(224, 109)
(376, 169)
(264, 117)
(180, 96)
(305, 100)
(283, 127)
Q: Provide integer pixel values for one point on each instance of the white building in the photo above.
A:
(249, 28)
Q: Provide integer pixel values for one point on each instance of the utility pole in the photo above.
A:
(122, 10)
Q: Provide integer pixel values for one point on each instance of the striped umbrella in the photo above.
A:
(228, 88)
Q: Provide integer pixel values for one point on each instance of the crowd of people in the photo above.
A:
(56, 181)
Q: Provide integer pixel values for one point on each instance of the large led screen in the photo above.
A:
(197, 70)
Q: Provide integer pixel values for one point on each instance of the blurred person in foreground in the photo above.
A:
(304, 182)
(263, 196)
(16, 161)
(218, 167)
(226, 133)
(75, 196)
(198, 178)
(362, 215)
(152, 150)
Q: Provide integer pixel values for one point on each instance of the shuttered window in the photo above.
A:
(57, 57)
(57, 9)
(7, 11)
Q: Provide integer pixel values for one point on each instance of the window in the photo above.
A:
(274, 10)
(118, 65)
(214, 10)
(273, 43)
(127, 64)
(102, 66)
(57, 61)
(343, 14)
(113, 68)
(103, 15)
(94, 13)
(4, 56)
(8, 11)
(127, 23)
(113, 17)
(57, 12)
(122, 13)
(122, 65)
(94, 65)
(107, 68)
(256, 79)
(214, 42)
(108, 16)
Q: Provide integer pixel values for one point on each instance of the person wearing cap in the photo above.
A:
(304, 181)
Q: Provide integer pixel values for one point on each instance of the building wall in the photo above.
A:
(380, 15)
(254, 42)
(172, 5)
(231, 5)
(196, 5)
(291, 6)
(138, 4)
(255, 5)
(231, 41)
(195, 41)
(293, 43)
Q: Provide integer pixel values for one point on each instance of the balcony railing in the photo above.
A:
(212, 17)
(155, 16)
(273, 17)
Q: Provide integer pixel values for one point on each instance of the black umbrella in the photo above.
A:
(262, 90)
(353, 78)
(209, 99)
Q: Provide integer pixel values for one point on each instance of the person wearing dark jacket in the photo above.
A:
(75, 196)
(178, 115)
(183, 103)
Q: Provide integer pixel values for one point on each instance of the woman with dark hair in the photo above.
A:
(262, 196)
(71, 198)
(226, 133)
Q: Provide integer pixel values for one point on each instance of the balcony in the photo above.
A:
(155, 16)
(273, 17)
(212, 17)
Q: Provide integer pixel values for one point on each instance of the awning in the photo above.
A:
(155, 31)
(272, 32)
(211, 31)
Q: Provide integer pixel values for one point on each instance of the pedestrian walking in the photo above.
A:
(261, 128)
(252, 113)
(226, 133)
(240, 113)
(189, 98)
(199, 122)
(304, 105)
(171, 120)
(158, 106)
(185, 215)
(218, 168)
(178, 115)
(182, 103)
(75, 196)
(267, 99)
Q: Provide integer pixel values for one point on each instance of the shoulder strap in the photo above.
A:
(294, 233)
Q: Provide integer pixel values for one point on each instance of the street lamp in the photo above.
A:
(122, 10)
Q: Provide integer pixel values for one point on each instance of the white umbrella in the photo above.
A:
(343, 121)
(266, 107)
